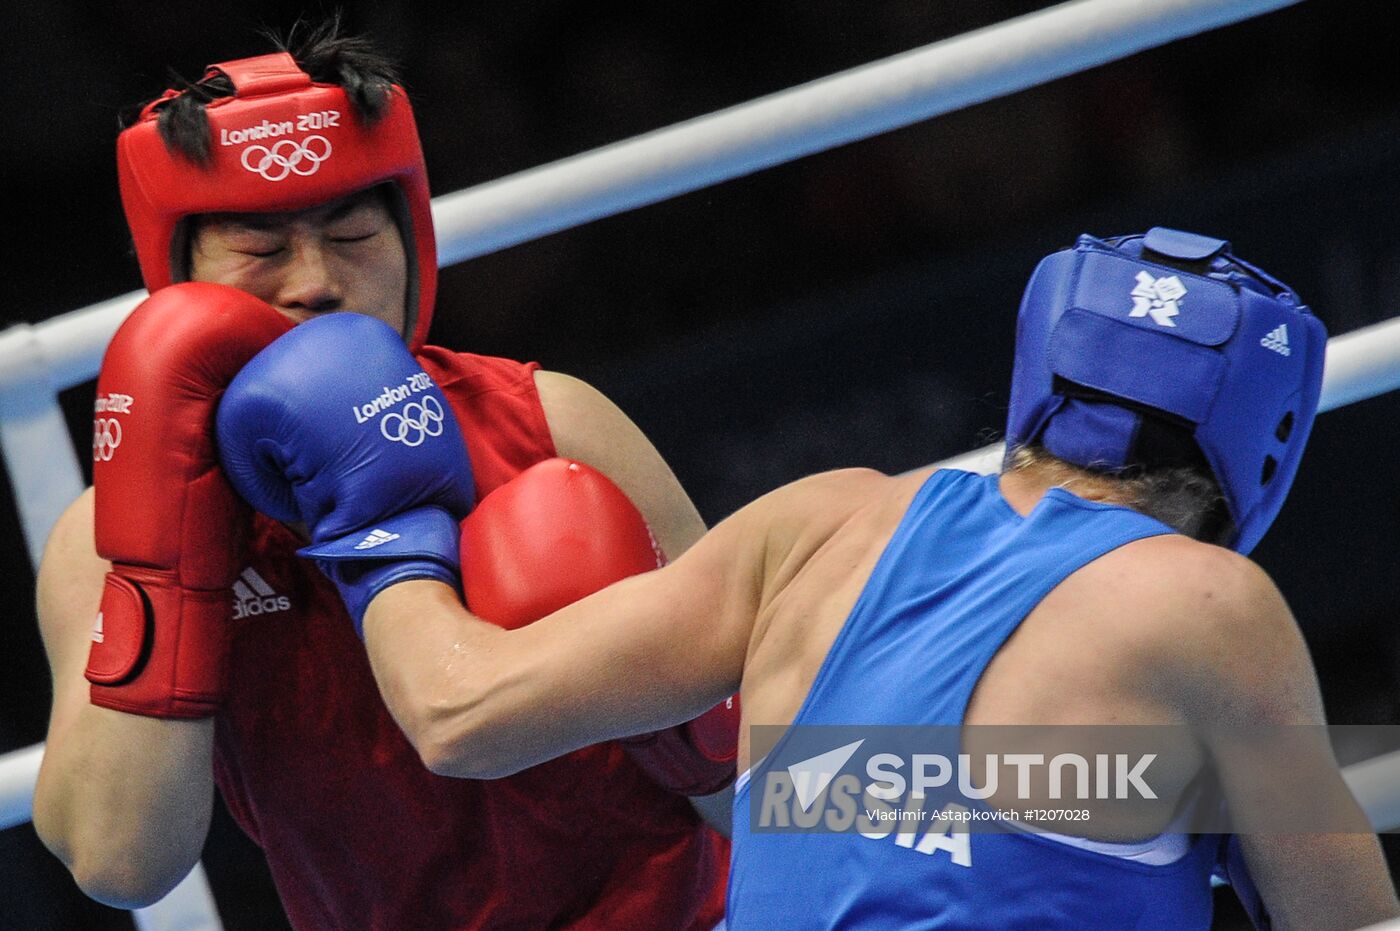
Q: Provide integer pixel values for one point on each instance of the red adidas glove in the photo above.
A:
(167, 519)
(694, 758)
(560, 531)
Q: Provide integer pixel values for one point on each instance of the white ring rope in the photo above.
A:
(822, 114)
(18, 772)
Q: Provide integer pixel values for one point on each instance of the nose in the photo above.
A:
(310, 284)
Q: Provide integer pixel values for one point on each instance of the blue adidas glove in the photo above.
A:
(417, 544)
(336, 425)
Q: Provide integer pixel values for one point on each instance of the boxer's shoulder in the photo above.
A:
(572, 402)
(825, 499)
(1186, 615)
(801, 518)
(863, 482)
(585, 425)
(1174, 575)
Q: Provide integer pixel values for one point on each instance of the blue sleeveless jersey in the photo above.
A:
(959, 574)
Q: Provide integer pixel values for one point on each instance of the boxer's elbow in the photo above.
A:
(122, 880)
(464, 736)
(453, 690)
(129, 872)
(472, 758)
(447, 727)
(108, 867)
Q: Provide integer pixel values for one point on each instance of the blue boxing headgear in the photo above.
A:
(1124, 344)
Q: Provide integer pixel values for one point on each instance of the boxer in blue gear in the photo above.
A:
(1162, 396)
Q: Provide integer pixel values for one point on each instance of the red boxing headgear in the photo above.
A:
(281, 143)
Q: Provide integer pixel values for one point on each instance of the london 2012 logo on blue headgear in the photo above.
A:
(1169, 328)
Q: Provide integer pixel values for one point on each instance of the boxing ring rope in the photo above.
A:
(821, 114)
(38, 361)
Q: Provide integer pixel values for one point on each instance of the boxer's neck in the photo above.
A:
(1024, 486)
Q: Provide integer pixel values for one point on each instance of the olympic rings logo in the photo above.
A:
(287, 157)
(416, 423)
(106, 437)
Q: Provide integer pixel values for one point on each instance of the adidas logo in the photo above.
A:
(97, 629)
(1277, 340)
(252, 596)
(375, 538)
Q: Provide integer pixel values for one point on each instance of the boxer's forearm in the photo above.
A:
(124, 801)
(433, 663)
(476, 701)
(651, 650)
(481, 702)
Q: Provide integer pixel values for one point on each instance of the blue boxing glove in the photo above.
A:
(335, 424)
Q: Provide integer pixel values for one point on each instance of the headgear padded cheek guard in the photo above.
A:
(1116, 335)
(280, 143)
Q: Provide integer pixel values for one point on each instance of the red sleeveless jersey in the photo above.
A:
(359, 835)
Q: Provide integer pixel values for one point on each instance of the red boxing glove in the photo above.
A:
(695, 758)
(558, 532)
(166, 517)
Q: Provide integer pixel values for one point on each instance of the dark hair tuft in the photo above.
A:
(322, 51)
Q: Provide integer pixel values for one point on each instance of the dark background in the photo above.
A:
(853, 308)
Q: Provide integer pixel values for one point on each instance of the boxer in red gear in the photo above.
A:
(357, 832)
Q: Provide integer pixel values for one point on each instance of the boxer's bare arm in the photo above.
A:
(123, 800)
(588, 427)
(1233, 662)
(648, 652)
